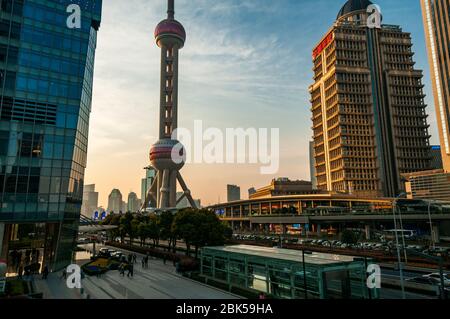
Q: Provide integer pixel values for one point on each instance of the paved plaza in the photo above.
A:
(159, 281)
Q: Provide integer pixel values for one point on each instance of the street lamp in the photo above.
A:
(305, 282)
(431, 225)
(403, 236)
(402, 284)
(402, 229)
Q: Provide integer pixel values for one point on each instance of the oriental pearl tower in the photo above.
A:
(168, 155)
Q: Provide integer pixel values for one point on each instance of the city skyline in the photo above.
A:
(250, 73)
(325, 112)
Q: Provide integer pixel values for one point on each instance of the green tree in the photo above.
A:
(142, 232)
(212, 231)
(154, 229)
(126, 227)
(184, 227)
(112, 220)
(165, 224)
(200, 228)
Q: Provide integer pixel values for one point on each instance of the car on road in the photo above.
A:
(118, 255)
(326, 244)
(421, 280)
(436, 277)
(379, 247)
(106, 252)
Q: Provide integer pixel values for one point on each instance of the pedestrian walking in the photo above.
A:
(130, 270)
(45, 273)
(143, 262)
(134, 258)
(20, 273)
(122, 269)
(146, 262)
(64, 274)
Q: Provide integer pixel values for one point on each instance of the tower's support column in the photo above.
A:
(187, 192)
(173, 189)
(159, 185)
(165, 189)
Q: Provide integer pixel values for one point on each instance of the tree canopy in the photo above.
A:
(197, 228)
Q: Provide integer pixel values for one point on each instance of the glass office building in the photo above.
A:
(46, 75)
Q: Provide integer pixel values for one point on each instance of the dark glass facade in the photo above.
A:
(46, 75)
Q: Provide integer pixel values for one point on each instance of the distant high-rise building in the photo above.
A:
(251, 191)
(312, 165)
(115, 203)
(368, 110)
(46, 77)
(146, 183)
(233, 193)
(436, 155)
(134, 204)
(436, 19)
(428, 185)
(90, 201)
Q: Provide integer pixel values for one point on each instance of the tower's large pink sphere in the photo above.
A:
(167, 154)
(170, 29)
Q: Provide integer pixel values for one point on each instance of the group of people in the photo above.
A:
(24, 262)
(123, 267)
(131, 259)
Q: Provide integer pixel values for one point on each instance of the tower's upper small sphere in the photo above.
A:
(167, 154)
(170, 28)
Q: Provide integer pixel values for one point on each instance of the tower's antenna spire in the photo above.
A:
(171, 9)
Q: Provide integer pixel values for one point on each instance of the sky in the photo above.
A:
(245, 64)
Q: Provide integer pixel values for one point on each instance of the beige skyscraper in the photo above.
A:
(436, 19)
(368, 110)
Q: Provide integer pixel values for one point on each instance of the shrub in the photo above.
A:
(16, 288)
(188, 264)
